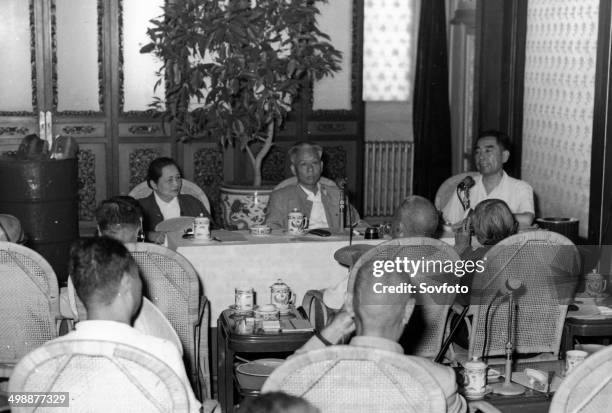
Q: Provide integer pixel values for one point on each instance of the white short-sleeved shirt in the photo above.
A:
(125, 334)
(514, 192)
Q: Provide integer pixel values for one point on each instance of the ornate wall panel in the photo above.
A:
(335, 160)
(388, 50)
(274, 168)
(87, 184)
(92, 178)
(77, 55)
(208, 175)
(134, 159)
(17, 71)
(558, 105)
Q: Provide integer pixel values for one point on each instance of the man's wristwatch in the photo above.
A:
(323, 339)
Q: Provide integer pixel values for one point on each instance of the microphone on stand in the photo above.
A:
(511, 286)
(464, 187)
(343, 207)
(342, 203)
(507, 388)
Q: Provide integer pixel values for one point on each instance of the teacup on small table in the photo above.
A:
(573, 358)
(266, 312)
(595, 284)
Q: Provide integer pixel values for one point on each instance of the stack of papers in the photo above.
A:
(228, 236)
(295, 325)
(523, 379)
(604, 310)
(270, 325)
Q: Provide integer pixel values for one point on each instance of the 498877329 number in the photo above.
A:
(42, 399)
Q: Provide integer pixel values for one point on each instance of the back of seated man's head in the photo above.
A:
(119, 217)
(379, 312)
(493, 221)
(106, 278)
(415, 217)
(277, 402)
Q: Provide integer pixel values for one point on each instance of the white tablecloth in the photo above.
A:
(303, 263)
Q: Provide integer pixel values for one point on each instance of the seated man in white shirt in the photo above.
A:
(106, 279)
(491, 152)
(319, 202)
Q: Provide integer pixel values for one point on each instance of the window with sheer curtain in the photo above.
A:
(389, 50)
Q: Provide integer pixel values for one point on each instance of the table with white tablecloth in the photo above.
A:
(303, 262)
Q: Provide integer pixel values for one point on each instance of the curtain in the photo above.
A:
(431, 112)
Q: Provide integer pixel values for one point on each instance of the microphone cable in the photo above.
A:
(486, 335)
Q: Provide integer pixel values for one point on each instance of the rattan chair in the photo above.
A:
(547, 264)
(354, 379)
(317, 312)
(100, 376)
(142, 190)
(29, 303)
(172, 284)
(427, 325)
(293, 181)
(588, 389)
(449, 188)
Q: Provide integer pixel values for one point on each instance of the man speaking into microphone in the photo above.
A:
(491, 152)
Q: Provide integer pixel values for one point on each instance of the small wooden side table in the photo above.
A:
(585, 327)
(229, 342)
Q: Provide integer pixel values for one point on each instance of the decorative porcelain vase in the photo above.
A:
(244, 206)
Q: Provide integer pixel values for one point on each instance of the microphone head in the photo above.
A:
(513, 284)
(466, 183)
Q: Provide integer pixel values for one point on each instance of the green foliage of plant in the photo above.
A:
(232, 68)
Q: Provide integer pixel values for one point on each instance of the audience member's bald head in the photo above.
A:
(415, 217)
(380, 313)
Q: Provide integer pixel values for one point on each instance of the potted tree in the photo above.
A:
(232, 70)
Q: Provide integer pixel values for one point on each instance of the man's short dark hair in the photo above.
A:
(97, 266)
(273, 402)
(156, 166)
(501, 138)
(118, 210)
(293, 151)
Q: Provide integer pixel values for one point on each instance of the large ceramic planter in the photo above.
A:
(244, 206)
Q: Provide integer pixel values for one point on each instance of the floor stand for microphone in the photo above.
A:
(507, 388)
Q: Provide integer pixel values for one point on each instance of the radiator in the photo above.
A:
(388, 176)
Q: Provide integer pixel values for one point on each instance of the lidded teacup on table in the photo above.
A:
(281, 296)
(296, 222)
(475, 378)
